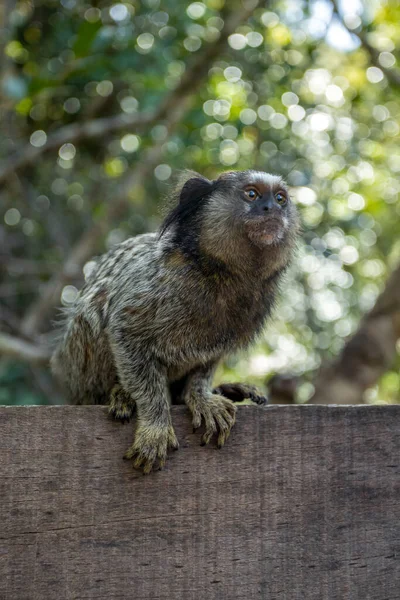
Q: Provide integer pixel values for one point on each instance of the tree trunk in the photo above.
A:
(367, 355)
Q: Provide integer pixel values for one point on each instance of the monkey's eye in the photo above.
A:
(280, 198)
(252, 194)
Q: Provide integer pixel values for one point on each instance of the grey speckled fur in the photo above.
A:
(163, 308)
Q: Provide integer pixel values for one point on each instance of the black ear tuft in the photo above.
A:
(195, 188)
(192, 198)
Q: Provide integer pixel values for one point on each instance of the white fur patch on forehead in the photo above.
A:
(254, 177)
(264, 178)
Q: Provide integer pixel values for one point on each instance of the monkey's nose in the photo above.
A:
(267, 204)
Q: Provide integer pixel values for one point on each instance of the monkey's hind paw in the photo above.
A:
(219, 416)
(237, 392)
(121, 406)
(150, 448)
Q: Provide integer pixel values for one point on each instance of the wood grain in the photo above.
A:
(303, 503)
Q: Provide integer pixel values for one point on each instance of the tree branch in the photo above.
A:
(96, 128)
(75, 133)
(13, 347)
(172, 110)
(393, 75)
(367, 355)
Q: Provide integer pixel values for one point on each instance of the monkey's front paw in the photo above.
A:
(218, 414)
(237, 392)
(151, 445)
(121, 407)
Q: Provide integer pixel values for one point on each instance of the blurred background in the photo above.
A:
(102, 103)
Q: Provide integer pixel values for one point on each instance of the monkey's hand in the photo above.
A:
(122, 406)
(218, 414)
(241, 391)
(151, 445)
(145, 384)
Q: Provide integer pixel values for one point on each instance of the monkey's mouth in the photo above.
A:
(265, 231)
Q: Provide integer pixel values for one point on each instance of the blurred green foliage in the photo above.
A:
(294, 93)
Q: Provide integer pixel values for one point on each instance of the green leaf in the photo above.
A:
(85, 38)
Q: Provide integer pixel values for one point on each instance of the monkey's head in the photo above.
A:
(241, 211)
(257, 204)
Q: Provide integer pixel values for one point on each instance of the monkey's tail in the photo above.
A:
(82, 363)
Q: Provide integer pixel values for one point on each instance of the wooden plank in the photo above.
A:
(302, 503)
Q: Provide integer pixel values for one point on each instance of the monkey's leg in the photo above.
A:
(145, 382)
(241, 391)
(122, 406)
(217, 412)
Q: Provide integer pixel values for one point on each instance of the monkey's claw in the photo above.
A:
(237, 392)
(121, 406)
(150, 448)
(218, 414)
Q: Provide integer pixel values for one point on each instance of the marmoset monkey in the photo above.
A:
(160, 310)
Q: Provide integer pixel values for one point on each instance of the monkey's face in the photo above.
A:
(262, 206)
(231, 216)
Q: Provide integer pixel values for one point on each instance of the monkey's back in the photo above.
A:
(83, 359)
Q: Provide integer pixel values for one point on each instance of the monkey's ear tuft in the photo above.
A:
(192, 198)
(195, 189)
